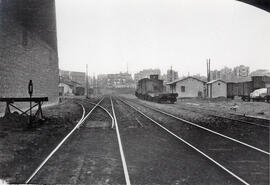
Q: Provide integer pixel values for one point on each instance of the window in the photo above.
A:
(183, 88)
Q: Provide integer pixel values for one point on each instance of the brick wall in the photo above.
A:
(25, 54)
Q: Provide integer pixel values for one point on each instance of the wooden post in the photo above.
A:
(30, 91)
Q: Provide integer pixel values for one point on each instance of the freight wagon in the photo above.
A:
(268, 95)
(79, 91)
(153, 90)
(243, 89)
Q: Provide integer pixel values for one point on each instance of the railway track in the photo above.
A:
(155, 157)
(80, 122)
(105, 109)
(120, 146)
(243, 162)
(250, 134)
(144, 145)
(265, 151)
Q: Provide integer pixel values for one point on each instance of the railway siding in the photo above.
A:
(251, 134)
(90, 156)
(255, 167)
(151, 154)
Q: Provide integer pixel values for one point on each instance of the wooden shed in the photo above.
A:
(188, 87)
(216, 88)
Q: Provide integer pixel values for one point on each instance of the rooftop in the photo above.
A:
(178, 80)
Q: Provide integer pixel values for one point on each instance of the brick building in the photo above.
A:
(120, 80)
(28, 48)
(225, 74)
(76, 76)
(146, 74)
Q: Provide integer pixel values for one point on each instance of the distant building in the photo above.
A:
(215, 74)
(118, 80)
(163, 77)
(64, 74)
(260, 72)
(78, 77)
(225, 74)
(216, 88)
(171, 75)
(67, 86)
(146, 74)
(188, 87)
(101, 80)
(241, 71)
(75, 76)
(198, 76)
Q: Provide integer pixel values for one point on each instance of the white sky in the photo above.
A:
(108, 34)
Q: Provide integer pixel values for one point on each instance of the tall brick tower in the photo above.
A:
(28, 48)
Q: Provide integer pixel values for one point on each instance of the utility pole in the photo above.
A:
(208, 69)
(86, 81)
(208, 74)
(171, 79)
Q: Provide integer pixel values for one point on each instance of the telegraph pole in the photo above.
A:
(208, 74)
(208, 69)
(86, 81)
(30, 92)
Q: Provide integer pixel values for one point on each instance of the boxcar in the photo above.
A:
(79, 91)
(260, 81)
(243, 89)
(231, 90)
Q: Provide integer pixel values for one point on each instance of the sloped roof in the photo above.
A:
(214, 81)
(183, 79)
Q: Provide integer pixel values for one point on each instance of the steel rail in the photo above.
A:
(187, 143)
(105, 111)
(120, 146)
(140, 123)
(206, 129)
(61, 143)
(83, 111)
